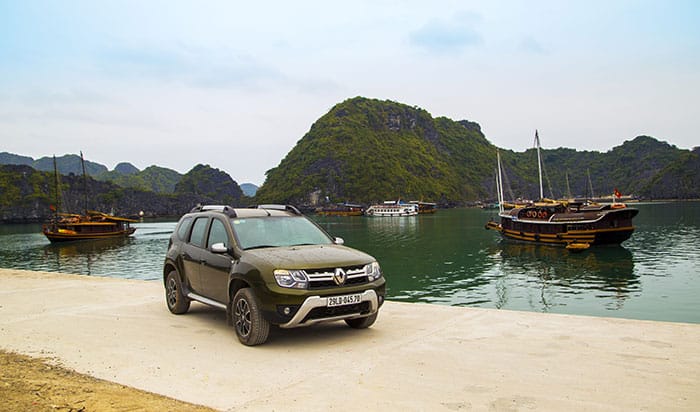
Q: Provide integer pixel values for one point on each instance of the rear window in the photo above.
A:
(197, 236)
(184, 228)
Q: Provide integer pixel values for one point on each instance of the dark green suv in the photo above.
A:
(269, 265)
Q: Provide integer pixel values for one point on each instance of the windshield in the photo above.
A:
(277, 231)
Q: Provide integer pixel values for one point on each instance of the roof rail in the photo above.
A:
(227, 210)
(286, 208)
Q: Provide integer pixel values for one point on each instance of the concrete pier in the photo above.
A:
(415, 357)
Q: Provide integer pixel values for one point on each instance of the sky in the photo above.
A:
(236, 85)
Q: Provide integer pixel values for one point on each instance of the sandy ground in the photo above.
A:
(416, 357)
(32, 384)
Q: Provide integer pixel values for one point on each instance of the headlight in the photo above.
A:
(295, 279)
(373, 271)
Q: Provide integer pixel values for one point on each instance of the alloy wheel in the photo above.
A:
(172, 292)
(242, 314)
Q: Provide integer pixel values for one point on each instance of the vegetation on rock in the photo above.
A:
(367, 150)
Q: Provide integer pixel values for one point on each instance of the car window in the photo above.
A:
(184, 228)
(217, 233)
(277, 231)
(197, 236)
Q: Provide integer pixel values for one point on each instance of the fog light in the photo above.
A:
(287, 310)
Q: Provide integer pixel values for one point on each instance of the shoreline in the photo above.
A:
(467, 205)
(416, 357)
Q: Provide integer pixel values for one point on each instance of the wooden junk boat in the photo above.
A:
(425, 207)
(64, 227)
(342, 209)
(91, 225)
(574, 224)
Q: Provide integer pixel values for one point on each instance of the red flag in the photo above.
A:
(617, 193)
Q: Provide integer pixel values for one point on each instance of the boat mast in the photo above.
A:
(82, 161)
(499, 183)
(539, 162)
(590, 183)
(568, 188)
(58, 187)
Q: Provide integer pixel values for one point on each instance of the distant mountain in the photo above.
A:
(13, 159)
(68, 164)
(153, 178)
(210, 183)
(249, 189)
(126, 168)
(367, 150)
(160, 179)
(27, 194)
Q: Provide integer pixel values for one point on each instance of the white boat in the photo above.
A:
(392, 208)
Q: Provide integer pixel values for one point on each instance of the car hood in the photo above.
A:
(309, 257)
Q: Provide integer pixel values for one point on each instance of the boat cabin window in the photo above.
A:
(184, 228)
(198, 231)
(217, 233)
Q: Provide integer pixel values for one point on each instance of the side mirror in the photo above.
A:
(218, 248)
(339, 241)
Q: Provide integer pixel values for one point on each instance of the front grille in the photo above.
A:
(324, 312)
(323, 278)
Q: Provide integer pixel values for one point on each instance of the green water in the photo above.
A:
(449, 258)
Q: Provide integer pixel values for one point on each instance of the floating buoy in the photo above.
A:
(577, 247)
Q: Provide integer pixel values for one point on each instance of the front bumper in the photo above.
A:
(312, 310)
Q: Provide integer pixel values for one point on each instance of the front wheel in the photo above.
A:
(177, 302)
(251, 327)
(362, 323)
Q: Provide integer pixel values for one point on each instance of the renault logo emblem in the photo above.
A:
(339, 276)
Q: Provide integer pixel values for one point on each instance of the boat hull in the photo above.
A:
(67, 236)
(602, 227)
(593, 237)
(339, 213)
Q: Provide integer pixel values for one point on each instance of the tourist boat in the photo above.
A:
(392, 208)
(65, 227)
(425, 207)
(575, 224)
(91, 225)
(341, 209)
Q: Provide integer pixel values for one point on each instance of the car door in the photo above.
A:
(216, 267)
(193, 254)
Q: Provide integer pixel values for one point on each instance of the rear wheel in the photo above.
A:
(251, 327)
(177, 302)
(362, 323)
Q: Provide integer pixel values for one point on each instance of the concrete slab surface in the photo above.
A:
(415, 357)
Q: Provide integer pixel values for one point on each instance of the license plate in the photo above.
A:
(343, 300)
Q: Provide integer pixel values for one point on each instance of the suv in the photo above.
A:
(268, 265)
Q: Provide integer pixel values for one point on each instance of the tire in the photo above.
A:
(250, 326)
(362, 323)
(177, 302)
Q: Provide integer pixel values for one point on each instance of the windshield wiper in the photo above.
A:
(259, 247)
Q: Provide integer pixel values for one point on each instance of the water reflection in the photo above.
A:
(607, 272)
(139, 256)
(85, 257)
